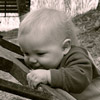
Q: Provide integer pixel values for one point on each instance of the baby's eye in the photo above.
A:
(41, 54)
(26, 54)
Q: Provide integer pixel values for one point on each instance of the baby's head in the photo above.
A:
(45, 36)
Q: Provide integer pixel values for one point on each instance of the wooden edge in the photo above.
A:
(10, 46)
(24, 91)
(5, 64)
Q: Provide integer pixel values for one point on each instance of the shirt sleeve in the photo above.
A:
(75, 76)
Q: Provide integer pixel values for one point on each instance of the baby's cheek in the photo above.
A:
(48, 63)
(44, 61)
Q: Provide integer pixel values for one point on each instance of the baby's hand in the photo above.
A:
(36, 77)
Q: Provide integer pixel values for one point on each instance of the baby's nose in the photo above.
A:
(32, 60)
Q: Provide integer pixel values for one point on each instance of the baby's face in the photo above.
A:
(41, 52)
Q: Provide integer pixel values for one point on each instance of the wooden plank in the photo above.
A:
(11, 3)
(2, 3)
(7, 4)
(12, 0)
(14, 69)
(17, 66)
(11, 8)
(7, 0)
(8, 11)
(10, 46)
(24, 91)
(1, 36)
(5, 64)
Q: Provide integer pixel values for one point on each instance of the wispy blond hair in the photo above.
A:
(52, 21)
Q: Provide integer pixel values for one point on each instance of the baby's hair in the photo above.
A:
(51, 21)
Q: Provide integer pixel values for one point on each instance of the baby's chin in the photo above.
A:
(32, 66)
(38, 66)
(50, 67)
(35, 66)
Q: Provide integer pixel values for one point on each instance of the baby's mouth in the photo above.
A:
(35, 66)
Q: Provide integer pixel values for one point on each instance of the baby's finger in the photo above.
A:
(31, 84)
(28, 77)
(31, 70)
(36, 83)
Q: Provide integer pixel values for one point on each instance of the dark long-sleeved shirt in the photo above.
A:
(75, 72)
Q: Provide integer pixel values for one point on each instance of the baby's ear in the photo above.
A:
(66, 46)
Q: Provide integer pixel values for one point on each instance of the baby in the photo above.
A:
(48, 40)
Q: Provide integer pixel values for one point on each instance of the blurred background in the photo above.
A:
(9, 17)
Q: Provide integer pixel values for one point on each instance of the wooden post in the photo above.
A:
(22, 7)
(98, 7)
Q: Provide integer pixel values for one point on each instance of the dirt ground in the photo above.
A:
(89, 37)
